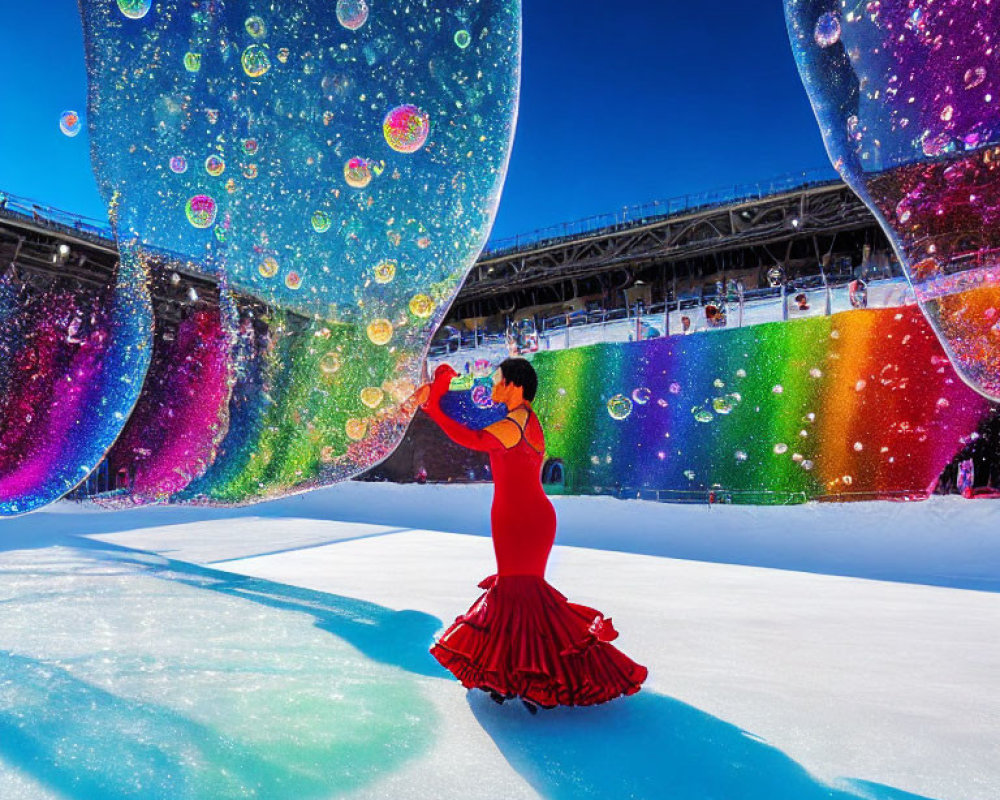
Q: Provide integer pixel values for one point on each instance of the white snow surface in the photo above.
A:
(834, 651)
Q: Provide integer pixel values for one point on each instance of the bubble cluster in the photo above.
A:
(727, 403)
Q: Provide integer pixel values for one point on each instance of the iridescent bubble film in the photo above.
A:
(72, 361)
(337, 174)
(906, 93)
(134, 9)
(69, 123)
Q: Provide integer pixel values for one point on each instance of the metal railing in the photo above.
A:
(15, 207)
(659, 209)
(685, 315)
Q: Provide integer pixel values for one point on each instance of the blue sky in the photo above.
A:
(621, 103)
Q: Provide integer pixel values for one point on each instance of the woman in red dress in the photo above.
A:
(522, 638)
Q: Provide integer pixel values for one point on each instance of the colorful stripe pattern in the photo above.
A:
(858, 405)
(71, 366)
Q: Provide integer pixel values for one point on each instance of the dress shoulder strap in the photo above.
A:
(524, 431)
(516, 421)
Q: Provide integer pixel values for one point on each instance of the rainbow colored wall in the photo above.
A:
(863, 404)
(858, 405)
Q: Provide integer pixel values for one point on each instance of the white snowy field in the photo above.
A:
(279, 651)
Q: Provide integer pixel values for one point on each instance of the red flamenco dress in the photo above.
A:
(522, 638)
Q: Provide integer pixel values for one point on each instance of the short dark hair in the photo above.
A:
(519, 372)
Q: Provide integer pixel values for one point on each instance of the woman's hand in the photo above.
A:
(436, 389)
(442, 382)
(444, 372)
(421, 396)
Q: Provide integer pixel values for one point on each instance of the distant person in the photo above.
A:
(802, 302)
(715, 316)
(522, 638)
(857, 293)
(685, 324)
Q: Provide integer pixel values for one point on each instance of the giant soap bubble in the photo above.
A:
(72, 360)
(906, 93)
(352, 168)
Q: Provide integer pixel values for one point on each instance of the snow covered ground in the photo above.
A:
(279, 651)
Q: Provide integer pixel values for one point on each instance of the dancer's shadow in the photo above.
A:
(651, 746)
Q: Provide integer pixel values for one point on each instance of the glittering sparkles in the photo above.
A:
(358, 172)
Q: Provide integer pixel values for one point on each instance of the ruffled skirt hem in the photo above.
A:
(523, 638)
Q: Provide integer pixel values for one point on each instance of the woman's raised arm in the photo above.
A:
(481, 440)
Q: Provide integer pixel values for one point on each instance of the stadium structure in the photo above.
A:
(802, 246)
